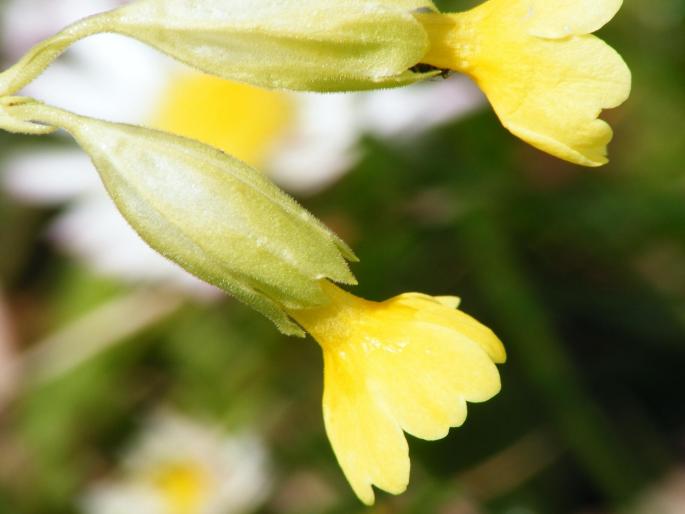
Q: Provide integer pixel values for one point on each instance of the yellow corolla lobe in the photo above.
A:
(547, 77)
(409, 364)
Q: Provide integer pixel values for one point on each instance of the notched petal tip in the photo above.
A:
(409, 364)
(593, 157)
(557, 19)
(547, 77)
(553, 97)
(449, 301)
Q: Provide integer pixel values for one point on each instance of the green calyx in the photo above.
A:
(303, 45)
(210, 213)
(307, 45)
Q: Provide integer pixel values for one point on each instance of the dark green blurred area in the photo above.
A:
(581, 272)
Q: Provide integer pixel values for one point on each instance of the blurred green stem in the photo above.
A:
(95, 332)
(535, 348)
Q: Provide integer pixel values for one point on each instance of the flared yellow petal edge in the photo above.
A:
(408, 364)
(547, 77)
(557, 19)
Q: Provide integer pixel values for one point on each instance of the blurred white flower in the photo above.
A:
(303, 141)
(664, 497)
(180, 466)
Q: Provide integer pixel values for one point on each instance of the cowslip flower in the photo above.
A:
(303, 141)
(180, 465)
(547, 77)
(545, 74)
(409, 364)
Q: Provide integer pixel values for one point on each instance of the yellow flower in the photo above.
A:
(546, 76)
(406, 364)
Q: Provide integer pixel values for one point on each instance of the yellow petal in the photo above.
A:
(424, 372)
(410, 363)
(449, 301)
(549, 92)
(367, 441)
(556, 19)
(428, 310)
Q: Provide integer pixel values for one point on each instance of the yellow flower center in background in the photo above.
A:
(242, 120)
(183, 486)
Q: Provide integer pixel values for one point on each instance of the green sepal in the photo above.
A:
(306, 45)
(212, 214)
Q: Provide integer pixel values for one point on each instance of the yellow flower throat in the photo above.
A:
(453, 40)
(333, 324)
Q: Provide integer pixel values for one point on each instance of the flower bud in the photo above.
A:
(317, 45)
(408, 364)
(212, 214)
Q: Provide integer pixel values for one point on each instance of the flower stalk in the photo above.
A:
(38, 58)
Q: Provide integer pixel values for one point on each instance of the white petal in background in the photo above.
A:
(106, 76)
(49, 177)
(665, 497)
(123, 498)
(93, 231)
(26, 22)
(409, 111)
(320, 146)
